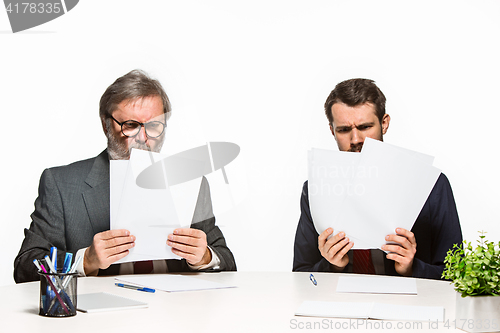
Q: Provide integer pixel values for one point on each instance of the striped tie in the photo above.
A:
(362, 262)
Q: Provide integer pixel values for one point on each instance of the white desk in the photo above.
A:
(262, 302)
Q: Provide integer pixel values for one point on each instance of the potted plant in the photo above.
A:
(475, 273)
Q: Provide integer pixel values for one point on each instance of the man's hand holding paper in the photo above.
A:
(335, 248)
(403, 251)
(107, 247)
(190, 244)
(401, 246)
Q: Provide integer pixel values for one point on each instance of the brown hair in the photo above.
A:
(355, 92)
(133, 85)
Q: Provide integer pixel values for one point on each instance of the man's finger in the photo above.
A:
(333, 250)
(395, 249)
(345, 249)
(193, 241)
(183, 247)
(109, 234)
(324, 235)
(336, 239)
(185, 255)
(402, 260)
(403, 241)
(118, 241)
(190, 232)
(406, 233)
(118, 256)
(119, 249)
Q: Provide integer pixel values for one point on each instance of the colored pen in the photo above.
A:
(51, 266)
(75, 265)
(71, 271)
(313, 280)
(37, 264)
(53, 257)
(52, 270)
(149, 290)
(67, 262)
(54, 290)
(48, 290)
(57, 281)
(62, 285)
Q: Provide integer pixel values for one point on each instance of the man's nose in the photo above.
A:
(141, 136)
(356, 137)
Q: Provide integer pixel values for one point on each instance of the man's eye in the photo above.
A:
(364, 127)
(153, 125)
(343, 130)
(130, 125)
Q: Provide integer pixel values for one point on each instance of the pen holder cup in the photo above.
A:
(57, 294)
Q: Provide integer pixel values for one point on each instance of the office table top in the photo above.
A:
(261, 302)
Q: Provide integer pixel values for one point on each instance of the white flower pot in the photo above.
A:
(478, 313)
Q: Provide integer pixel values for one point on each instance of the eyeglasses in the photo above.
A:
(131, 128)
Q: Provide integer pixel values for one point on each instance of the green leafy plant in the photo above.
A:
(474, 272)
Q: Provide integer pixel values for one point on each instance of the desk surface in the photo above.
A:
(262, 302)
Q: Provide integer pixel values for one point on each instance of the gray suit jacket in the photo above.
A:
(73, 205)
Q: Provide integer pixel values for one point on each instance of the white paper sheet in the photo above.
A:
(335, 309)
(185, 196)
(330, 176)
(393, 196)
(149, 215)
(369, 194)
(376, 285)
(407, 312)
(171, 283)
(117, 173)
(101, 302)
(370, 310)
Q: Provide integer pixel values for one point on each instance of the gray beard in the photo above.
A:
(118, 150)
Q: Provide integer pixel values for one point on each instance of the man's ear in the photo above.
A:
(386, 119)
(104, 128)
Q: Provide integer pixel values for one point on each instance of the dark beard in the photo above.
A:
(356, 148)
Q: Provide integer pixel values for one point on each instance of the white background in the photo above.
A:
(256, 74)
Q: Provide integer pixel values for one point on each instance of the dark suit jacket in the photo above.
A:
(436, 229)
(73, 205)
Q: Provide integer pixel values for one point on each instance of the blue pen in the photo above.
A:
(313, 280)
(67, 262)
(148, 290)
(71, 271)
(53, 257)
(65, 282)
(49, 262)
(51, 289)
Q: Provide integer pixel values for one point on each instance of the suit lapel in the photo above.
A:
(96, 198)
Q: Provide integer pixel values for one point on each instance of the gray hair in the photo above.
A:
(131, 86)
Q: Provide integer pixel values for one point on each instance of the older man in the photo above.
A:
(356, 110)
(72, 208)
